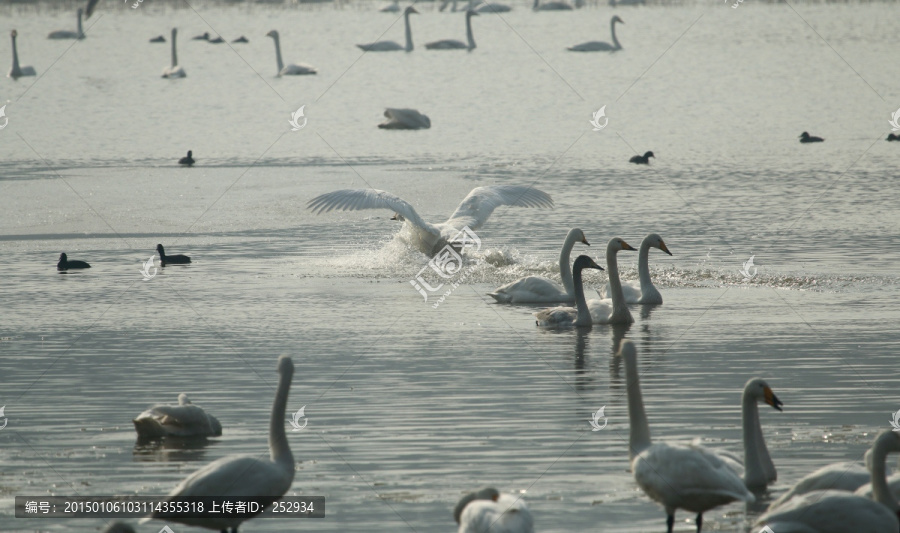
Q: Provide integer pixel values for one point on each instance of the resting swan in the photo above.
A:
(643, 292)
(66, 34)
(404, 119)
(567, 317)
(536, 289)
(174, 71)
(391, 46)
(612, 310)
(491, 7)
(689, 477)
(182, 420)
(600, 46)
(238, 476)
(16, 71)
(551, 6)
(488, 511)
(428, 238)
(834, 511)
(291, 69)
(453, 44)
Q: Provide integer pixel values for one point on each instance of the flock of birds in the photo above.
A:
(64, 264)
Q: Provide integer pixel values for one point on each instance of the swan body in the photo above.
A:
(217, 40)
(892, 137)
(17, 71)
(642, 292)
(452, 44)
(202, 37)
(490, 7)
(65, 34)
(429, 238)
(612, 310)
(551, 6)
(536, 289)
(642, 159)
(158, 39)
(600, 46)
(65, 264)
(171, 259)
(240, 476)
(392, 8)
(893, 483)
(689, 477)
(182, 420)
(241, 39)
(188, 159)
(567, 317)
(489, 511)
(391, 46)
(844, 476)
(834, 511)
(175, 70)
(404, 119)
(807, 138)
(118, 527)
(291, 69)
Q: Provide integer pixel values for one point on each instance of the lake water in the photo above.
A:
(408, 406)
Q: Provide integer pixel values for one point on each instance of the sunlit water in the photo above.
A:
(411, 406)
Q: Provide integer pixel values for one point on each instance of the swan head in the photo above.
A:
(616, 19)
(409, 10)
(285, 365)
(616, 244)
(273, 34)
(757, 388)
(14, 33)
(183, 399)
(483, 494)
(577, 235)
(583, 262)
(657, 242)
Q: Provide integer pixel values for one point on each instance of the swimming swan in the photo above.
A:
(428, 238)
(182, 420)
(688, 477)
(600, 46)
(452, 44)
(238, 476)
(491, 7)
(641, 159)
(612, 310)
(807, 138)
(567, 317)
(171, 259)
(174, 71)
(551, 6)
(404, 119)
(65, 264)
(16, 71)
(488, 511)
(834, 511)
(537, 289)
(292, 69)
(391, 46)
(65, 34)
(642, 292)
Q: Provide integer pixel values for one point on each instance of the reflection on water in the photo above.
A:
(169, 449)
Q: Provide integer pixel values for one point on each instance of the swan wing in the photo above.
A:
(237, 476)
(410, 118)
(177, 420)
(557, 317)
(446, 44)
(477, 207)
(837, 476)
(381, 46)
(831, 511)
(357, 199)
(531, 289)
(298, 70)
(600, 310)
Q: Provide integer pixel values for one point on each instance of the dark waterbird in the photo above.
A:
(892, 137)
(65, 264)
(171, 259)
(241, 39)
(807, 138)
(642, 159)
(158, 39)
(187, 160)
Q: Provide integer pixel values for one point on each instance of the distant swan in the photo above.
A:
(404, 119)
(612, 310)
(428, 238)
(488, 511)
(390, 46)
(217, 40)
(65, 264)
(534, 289)
(158, 39)
(551, 6)
(834, 511)
(174, 71)
(452, 44)
(567, 317)
(491, 7)
(600, 46)
(807, 138)
(16, 71)
(642, 292)
(171, 259)
(291, 69)
(642, 159)
(202, 37)
(188, 159)
(242, 476)
(392, 8)
(241, 39)
(65, 34)
(688, 477)
(182, 420)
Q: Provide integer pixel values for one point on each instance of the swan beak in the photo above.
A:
(771, 399)
(595, 265)
(663, 247)
(584, 240)
(626, 246)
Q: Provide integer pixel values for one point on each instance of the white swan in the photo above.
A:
(551, 6)
(16, 71)
(392, 8)
(689, 477)
(391, 46)
(174, 71)
(536, 289)
(643, 292)
(428, 238)
(182, 420)
(488, 511)
(844, 476)
(453, 44)
(600, 46)
(66, 34)
(291, 69)
(567, 317)
(834, 511)
(404, 119)
(612, 310)
(245, 475)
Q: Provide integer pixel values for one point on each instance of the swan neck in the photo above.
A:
(612, 29)
(565, 268)
(615, 284)
(279, 450)
(278, 59)
(881, 493)
(409, 43)
(644, 266)
(754, 476)
(174, 53)
(469, 34)
(15, 65)
(80, 32)
(584, 314)
(639, 436)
